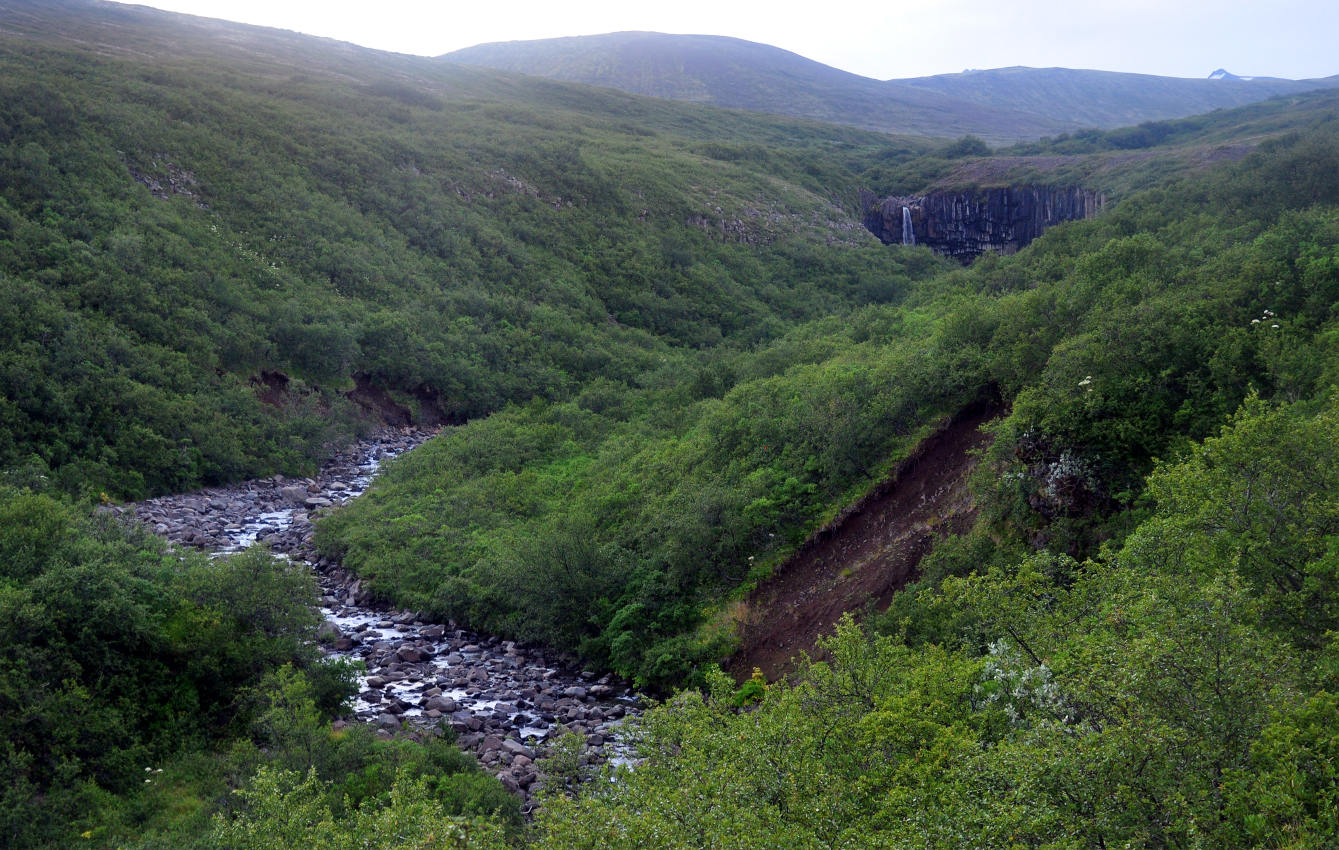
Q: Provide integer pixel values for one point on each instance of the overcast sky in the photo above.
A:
(884, 40)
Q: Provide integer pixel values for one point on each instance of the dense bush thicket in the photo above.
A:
(1177, 690)
(675, 359)
(139, 684)
(117, 653)
(1125, 651)
(1114, 340)
(171, 231)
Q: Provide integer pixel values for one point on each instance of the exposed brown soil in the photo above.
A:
(271, 387)
(868, 553)
(377, 402)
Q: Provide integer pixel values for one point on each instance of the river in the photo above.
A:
(503, 700)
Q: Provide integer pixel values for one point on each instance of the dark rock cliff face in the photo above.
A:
(964, 225)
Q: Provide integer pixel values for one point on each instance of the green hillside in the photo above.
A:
(667, 356)
(1116, 162)
(176, 228)
(651, 505)
(1133, 646)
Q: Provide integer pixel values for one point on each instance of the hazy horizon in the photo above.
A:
(1290, 38)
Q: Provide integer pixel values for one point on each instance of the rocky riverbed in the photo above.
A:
(504, 701)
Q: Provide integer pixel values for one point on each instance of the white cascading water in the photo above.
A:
(908, 233)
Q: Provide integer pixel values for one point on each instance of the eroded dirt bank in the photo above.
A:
(868, 553)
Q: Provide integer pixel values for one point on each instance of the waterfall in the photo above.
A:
(908, 233)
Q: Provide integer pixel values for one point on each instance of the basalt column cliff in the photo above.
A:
(964, 225)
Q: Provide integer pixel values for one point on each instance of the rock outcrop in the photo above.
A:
(964, 225)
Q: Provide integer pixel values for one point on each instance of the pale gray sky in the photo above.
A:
(887, 39)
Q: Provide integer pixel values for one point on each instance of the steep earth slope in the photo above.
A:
(868, 553)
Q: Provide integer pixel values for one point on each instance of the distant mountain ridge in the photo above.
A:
(1107, 99)
(1003, 104)
(742, 74)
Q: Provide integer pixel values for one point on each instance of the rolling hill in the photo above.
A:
(739, 74)
(1105, 99)
(292, 201)
(1007, 104)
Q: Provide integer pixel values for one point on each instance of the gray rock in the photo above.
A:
(516, 748)
(441, 703)
(295, 494)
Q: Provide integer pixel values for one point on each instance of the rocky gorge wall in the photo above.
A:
(964, 225)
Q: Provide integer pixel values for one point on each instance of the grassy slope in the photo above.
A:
(1115, 162)
(450, 234)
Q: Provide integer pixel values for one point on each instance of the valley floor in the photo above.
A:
(501, 700)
